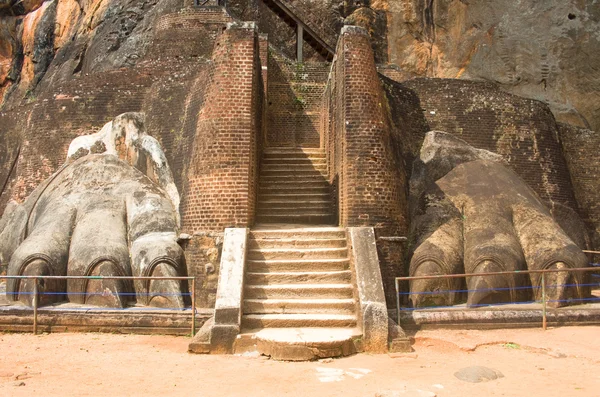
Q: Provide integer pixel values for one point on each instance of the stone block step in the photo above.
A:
(298, 320)
(295, 190)
(292, 182)
(294, 201)
(293, 167)
(296, 243)
(284, 208)
(308, 196)
(309, 277)
(290, 150)
(298, 253)
(299, 306)
(299, 232)
(297, 179)
(293, 173)
(302, 218)
(299, 344)
(294, 291)
(297, 265)
(287, 215)
(281, 159)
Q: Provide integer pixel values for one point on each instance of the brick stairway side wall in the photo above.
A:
(358, 142)
(222, 178)
(362, 165)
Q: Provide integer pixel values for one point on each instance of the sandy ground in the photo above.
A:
(559, 362)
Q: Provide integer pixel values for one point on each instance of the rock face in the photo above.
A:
(51, 41)
(541, 50)
(544, 50)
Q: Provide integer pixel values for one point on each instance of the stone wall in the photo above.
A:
(224, 161)
(294, 101)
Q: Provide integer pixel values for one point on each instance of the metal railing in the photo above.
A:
(36, 291)
(542, 286)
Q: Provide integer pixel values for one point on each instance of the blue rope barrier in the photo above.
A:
(103, 294)
(455, 307)
(97, 308)
(497, 289)
(574, 300)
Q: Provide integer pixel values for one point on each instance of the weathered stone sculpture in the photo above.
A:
(472, 214)
(111, 210)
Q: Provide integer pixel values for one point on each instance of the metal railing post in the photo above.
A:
(193, 307)
(35, 306)
(397, 302)
(544, 323)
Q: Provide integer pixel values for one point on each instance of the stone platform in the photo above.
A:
(78, 318)
(299, 344)
(500, 316)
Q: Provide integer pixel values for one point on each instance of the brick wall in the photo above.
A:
(371, 185)
(49, 124)
(358, 140)
(580, 147)
(522, 130)
(190, 32)
(223, 171)
(294, 101)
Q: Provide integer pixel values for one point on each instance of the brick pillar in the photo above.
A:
(372, 186)
(222, 178)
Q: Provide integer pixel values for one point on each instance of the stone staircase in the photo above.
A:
(299, 300)
(293, 188)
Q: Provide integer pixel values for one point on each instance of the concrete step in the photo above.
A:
(308, 277)
(298, 265)
(296, 243)
(293, 291)
(298, 253)
(299, 233)
(301, 218)
(299, 344)
(299, 306)
(298, 320)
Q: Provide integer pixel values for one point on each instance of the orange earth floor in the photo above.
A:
(558, 362)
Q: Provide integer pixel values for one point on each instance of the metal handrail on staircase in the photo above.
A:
(303, 31)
